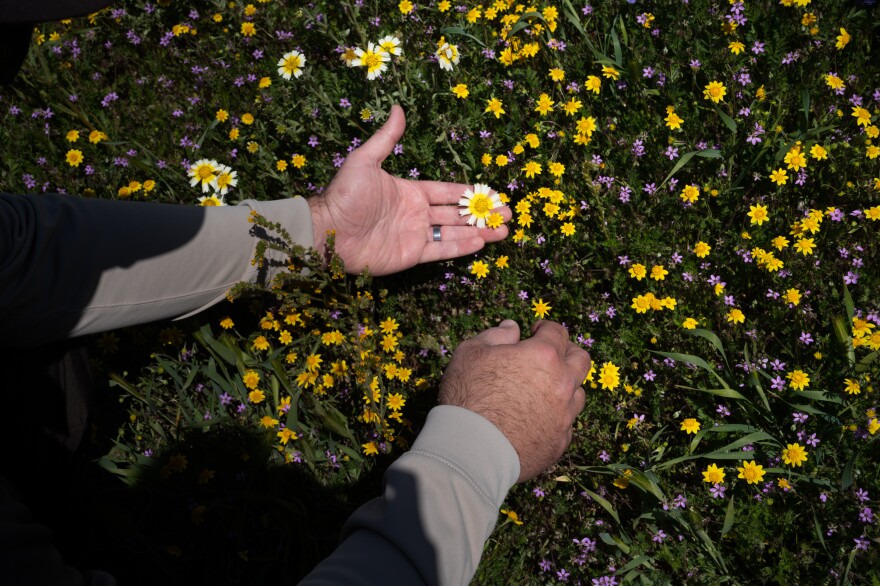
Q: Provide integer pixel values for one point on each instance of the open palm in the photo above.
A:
(385, 222)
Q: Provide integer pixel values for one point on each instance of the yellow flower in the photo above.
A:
(852, 387)
(556, 169)
(689, 324)
(248, 29)
(673, 120)
(735, 316)
(545, 105)
(226, 323)
(610, 72)
(512, 516)
(780, 242)
(715, 91)
(818, 152)
(405, 7)
(609, 376)
(370, 448)
(736, 47)
(758, 214)
(557, 74)
(779, 176)
(713, 474)
(642, 303)
(638, 271)
(567, 229)
(572, 106)
(268, 421)
(501, 160)
(842, 39)
(495, 106)
(805, 246)
(74, 157)
(261, 343)
(752, 472)
(702, 249)
(480, 269)
(72, 136)
(794, 455)
(690, 193)
(792, 296)
(833, 81)
(873, 425)
(799, 379)
(298, 161)
(532, 168)
(461, 91)
(251, 379)
(501, 262)
(690, 425)
(658, 273)
(540, 308)
(256, 396)
(873, 213)
(593, 84)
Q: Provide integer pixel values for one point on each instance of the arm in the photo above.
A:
(71, 266)
(508, 410)
(440, 505)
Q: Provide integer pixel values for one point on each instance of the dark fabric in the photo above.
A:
(45, 10)
(46, 488)
(14, 42)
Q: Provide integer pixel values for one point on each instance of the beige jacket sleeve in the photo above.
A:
(71, 266)
(439, 506)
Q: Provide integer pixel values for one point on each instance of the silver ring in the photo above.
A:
(436, 233)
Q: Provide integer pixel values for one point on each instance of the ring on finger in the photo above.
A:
(436, 233)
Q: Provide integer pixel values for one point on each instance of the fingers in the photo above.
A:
(575, 358)
(578, 400)
(507, 332)
(449, 248)
(449, 233)
(578, 361)
(553, 334)
(443, 192)
(447, 215)
(380, 145)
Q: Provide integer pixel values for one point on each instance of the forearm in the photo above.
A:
(73, 266)
(440, 505)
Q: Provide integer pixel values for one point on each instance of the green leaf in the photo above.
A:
(711, 337)
(842, 333)
(846, 480)
(641, 560)
(728, 121)
(696, 361)
(866, 361)
(207, 339)
(603, 503)
(457, 30)
(618, 53)
(728, 518)
(614, 540)
(848, 303)
(726, 393)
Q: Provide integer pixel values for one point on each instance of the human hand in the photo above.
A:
(385, 222)
(529, 389)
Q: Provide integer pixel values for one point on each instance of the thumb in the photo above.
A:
(380, 145)
(507, 332)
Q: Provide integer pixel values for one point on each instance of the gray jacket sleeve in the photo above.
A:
(71, 266)
(439, 506)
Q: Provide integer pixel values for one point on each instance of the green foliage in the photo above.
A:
(630, 490)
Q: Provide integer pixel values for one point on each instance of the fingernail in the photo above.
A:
(508, 323)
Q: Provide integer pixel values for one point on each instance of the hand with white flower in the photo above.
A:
(388, 223)
(529, 389)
